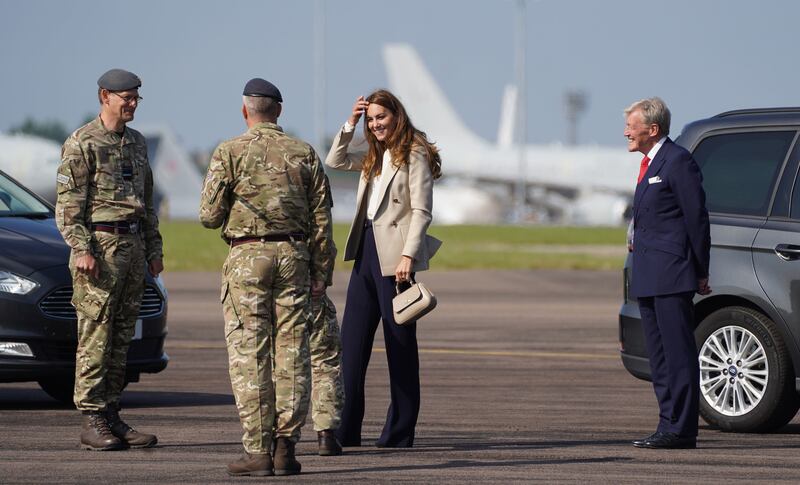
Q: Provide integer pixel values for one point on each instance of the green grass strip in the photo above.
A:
(190, 247)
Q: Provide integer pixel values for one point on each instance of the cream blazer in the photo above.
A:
(404, 208)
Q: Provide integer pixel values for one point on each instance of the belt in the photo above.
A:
(293, 236)
(119, 227)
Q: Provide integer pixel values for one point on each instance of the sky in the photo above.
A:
(194, 57)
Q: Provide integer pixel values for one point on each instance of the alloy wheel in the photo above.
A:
(733, 370)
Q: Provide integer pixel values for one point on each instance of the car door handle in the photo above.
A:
(787, 252)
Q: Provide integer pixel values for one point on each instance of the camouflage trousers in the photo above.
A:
(325, 344)
(107, 309)
(266, 303)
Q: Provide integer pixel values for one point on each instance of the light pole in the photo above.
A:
(575, 103)
(520, 203)
(319, 75)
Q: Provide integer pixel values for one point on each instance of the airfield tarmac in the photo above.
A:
(521, 382)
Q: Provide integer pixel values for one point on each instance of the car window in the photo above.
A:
(794, 211)
(16, 201)
(740, 169)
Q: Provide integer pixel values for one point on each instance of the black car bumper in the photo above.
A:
(45, 321)
(631, 338)
(25, 369)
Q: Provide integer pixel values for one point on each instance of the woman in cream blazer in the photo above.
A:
(388, 242)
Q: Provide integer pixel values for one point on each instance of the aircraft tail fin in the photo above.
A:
(178, 182)
(427, 105)
(508, 113)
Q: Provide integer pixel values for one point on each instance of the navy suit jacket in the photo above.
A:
(671, 239)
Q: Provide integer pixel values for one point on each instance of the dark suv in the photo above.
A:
(748, 329)
(38, 325)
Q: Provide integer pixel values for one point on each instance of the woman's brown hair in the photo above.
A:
(400, 142)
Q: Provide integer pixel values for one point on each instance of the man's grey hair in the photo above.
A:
(654, 111)
(261, 106)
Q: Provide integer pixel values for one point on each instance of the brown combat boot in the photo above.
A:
(285, 462)
(96, 434)
(128, 435)
(251, 466)
(328, 444)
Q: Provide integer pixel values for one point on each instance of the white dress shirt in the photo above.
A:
(651, 155)
(654, 151)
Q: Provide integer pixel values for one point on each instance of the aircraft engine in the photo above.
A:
(599, 209)
(462, 204)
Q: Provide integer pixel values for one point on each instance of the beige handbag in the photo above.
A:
(413, 303)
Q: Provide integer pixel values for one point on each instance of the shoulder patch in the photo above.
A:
(63, 179)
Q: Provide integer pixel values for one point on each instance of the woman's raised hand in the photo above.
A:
(359, 108)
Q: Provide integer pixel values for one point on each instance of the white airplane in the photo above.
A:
(577, 185)
(178, 182)
(33, 161)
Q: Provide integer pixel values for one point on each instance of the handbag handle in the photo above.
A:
(397, 285)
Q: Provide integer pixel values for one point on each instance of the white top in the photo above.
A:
(376, 184)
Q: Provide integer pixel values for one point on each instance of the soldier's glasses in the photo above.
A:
(128, 99)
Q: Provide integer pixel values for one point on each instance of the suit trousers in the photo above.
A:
(668, 324)
(369, 299)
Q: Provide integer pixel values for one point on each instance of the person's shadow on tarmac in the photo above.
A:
(12, 398)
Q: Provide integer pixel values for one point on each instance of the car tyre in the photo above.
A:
(61, 389)
(746, 375)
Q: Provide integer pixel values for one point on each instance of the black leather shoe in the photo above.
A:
(347, 440)
(640, 442)
(670, 441)
(381, 444)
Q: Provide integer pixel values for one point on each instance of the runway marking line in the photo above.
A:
(518, 353)
(484, 353)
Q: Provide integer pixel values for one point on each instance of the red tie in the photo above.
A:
(643, 168)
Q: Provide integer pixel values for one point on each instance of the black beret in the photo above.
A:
(119, 80)
(260, 87)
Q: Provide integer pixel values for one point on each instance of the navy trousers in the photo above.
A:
(369, 300)
(667, 321)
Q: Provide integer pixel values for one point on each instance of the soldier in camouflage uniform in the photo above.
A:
(105, 213)
(267, 190)
(327, 389)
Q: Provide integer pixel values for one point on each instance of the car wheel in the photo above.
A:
(60, 389)
(746, 375)
(63, 389)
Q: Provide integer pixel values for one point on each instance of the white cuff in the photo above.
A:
(348, 128)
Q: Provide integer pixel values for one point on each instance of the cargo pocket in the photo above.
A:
(331, 322)
(233, 331)
(106, 187)
(233, 321)
(224, 292)
(216, 190)
(294, 263)
(105, 243)
(92, 303)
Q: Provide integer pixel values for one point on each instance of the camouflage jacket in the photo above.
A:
(265, 182)
(105, 177)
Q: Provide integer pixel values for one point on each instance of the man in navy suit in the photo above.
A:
(670, 244)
